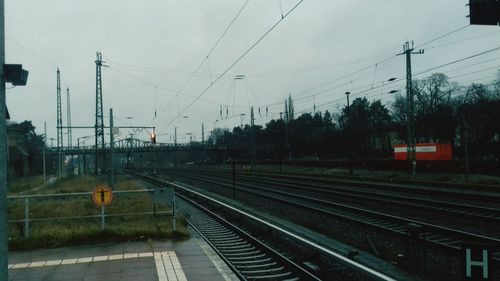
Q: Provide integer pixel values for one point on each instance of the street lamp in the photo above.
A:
(175, 136)
(78, 140)
(242, 115)
(349, 133)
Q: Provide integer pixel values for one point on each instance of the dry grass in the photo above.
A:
(61, 232)
(25, 183)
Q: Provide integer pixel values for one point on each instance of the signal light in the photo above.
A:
(153, 138)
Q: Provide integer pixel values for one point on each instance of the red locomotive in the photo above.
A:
(425, 151)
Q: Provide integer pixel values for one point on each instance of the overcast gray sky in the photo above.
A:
(152, 47)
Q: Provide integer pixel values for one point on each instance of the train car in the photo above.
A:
(425, 151)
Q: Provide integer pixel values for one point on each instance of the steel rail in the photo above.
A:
(462, 235)
(372, 273)
(475, 212)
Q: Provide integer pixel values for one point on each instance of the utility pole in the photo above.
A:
(252, 138)
(4, 264)
(175, 146)
(70, 144)
(281, 140)
(349, 152)
(175, 136)
(465, 145)
(59, 125)
(111, 150)
(43, 151)
(410, 126)
(202, 134)
(155, 164)
(287, 153)
(68, 116)
(99, 118)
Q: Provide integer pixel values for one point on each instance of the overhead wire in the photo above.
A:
(444, 35)
(376, 65)
(462, 40)
(32, 52)
(210, 52)
(401, 78)
(238, 59)
(459, 60)
(154, 85)
(417, 74)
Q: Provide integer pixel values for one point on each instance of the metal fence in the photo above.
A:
(159, 198)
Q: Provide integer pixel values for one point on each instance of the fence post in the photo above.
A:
(26, 218)
(103, 223)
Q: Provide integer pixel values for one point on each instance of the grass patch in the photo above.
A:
(25, 183)
(72, 228)
(52, 235)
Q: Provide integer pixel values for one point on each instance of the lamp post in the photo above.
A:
(78, 140)
(242, 115)
(349, 133)
(84, 154)
(85, 138)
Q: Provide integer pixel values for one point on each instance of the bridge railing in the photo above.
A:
(149, 147)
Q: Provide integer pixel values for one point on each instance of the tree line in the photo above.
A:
(445, 111)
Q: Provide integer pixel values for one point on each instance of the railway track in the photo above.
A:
(443, 238)
(247, 256)
(474, 212)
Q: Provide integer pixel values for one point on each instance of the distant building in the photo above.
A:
(17, 156)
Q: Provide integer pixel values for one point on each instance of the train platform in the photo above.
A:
(190, 260)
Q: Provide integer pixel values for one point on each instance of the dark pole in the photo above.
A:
(349, 134)
(280, 152)
(234, 178)
(155, 165)
(175, 144)
(465, 144)
(252, 140)
(4, 264)
(282, 139)
(99, 119)
(111, 151)
(410, 126)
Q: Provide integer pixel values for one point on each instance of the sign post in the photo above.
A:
(161, 196)
(102, 196)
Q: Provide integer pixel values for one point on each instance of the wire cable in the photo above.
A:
(459, 60)
(152, 84)
(209, 53)
(237, 61)
(442, 36)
